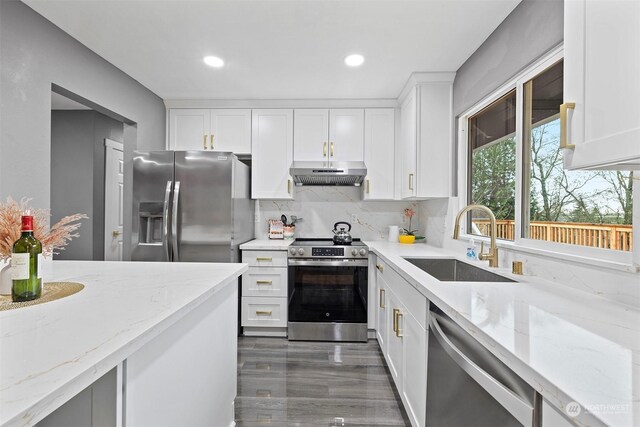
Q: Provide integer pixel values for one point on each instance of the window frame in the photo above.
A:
(621, 260)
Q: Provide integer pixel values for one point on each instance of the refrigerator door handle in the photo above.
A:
(174, 221)
(165, 221)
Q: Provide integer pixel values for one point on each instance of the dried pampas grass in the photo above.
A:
(53, 239)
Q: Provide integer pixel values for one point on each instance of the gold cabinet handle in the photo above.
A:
(368, 185)
(380, 268)
(265, 312)
(395, 320)
(212, 137)
(205, 141)
(382, 301)
(289, 184)
(264, 259)
(399, 316)
(563, 124)
(264, 282)
(331, 150)
(410, 181)
(324, 149)
(116, 233)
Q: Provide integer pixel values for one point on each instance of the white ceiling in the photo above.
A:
(278, 49)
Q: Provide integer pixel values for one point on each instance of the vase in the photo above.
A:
(5, 279)
(406, 238)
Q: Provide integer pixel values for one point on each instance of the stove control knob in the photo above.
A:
(292, 251)
(363, 252)
(354, 252)
(300, 251)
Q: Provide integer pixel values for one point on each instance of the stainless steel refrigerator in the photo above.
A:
(190, 206)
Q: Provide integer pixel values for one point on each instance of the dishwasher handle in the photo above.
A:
(520, 409)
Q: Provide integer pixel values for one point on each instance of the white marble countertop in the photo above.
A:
(52, 351)
(569, 345)
(266, 245)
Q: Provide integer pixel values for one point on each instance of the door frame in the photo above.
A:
(114, 145)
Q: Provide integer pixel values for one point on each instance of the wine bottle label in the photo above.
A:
(40, 261)
(19, 266)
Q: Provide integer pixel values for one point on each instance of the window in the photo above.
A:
(517, 172)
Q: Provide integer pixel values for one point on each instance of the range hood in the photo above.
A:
(334, 173)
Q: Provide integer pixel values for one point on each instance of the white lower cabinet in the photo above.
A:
(264, 293)
(402, 335)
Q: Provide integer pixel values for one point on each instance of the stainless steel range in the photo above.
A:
(327, 290)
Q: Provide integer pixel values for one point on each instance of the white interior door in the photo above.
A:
(113, 192)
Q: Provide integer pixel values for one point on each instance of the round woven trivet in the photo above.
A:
(51, 291)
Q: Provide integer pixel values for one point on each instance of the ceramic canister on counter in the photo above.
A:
(394, 232)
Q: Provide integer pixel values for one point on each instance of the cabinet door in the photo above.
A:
(189, 129)
(230, 130)
(346, 135)
(381, 312)
(434, 146)
(408, 135)
(601, 69)
(272, 152)
(379, 147)
(414, 368)
(394, 342)
(310, 137)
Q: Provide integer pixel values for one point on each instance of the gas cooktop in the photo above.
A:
(326, 249)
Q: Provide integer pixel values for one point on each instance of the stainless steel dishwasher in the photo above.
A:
(469, 386)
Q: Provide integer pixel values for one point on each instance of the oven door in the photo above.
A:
(327, 291)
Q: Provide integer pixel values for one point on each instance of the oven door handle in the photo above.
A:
(328, 263)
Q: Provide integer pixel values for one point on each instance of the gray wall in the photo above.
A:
(77, 176)
(36, 54)
(530, 30)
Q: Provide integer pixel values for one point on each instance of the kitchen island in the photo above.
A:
(157, 341)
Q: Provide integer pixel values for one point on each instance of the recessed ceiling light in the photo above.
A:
(354, 60)
(213, 61)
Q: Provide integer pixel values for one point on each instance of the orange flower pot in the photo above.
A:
(406, 238)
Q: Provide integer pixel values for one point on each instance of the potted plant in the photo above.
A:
(408, 235)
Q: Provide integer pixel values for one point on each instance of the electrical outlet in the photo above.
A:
(354, 218)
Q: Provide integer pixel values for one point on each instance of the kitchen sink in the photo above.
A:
(452, 270)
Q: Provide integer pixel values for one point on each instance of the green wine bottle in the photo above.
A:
(26, 258)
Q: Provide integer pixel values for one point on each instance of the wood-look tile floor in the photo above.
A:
(283, 383)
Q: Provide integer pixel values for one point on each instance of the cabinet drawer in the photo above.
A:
(264, 311)
(265, 258)
(268, 282)
(413, 300)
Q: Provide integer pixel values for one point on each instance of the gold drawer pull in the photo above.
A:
(264, 259)
(331, 149)
(395, 320)
(264, 282)
(380, 268)
(368, 185)
(563, 124)
(205, 141)
(265, 312)
(324, 149)
(410, 181)
(289, 183)
(212, 136)
(399, 316)
(382, 301)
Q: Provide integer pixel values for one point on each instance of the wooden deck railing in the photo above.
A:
(608, 236)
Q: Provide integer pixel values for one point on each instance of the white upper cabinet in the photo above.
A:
(379, 151)
(426, 137)
(272, 153)
(310, 135)
(188, 129)
(602, 84)
(346, 135)
(329, 135)
(210, 129)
